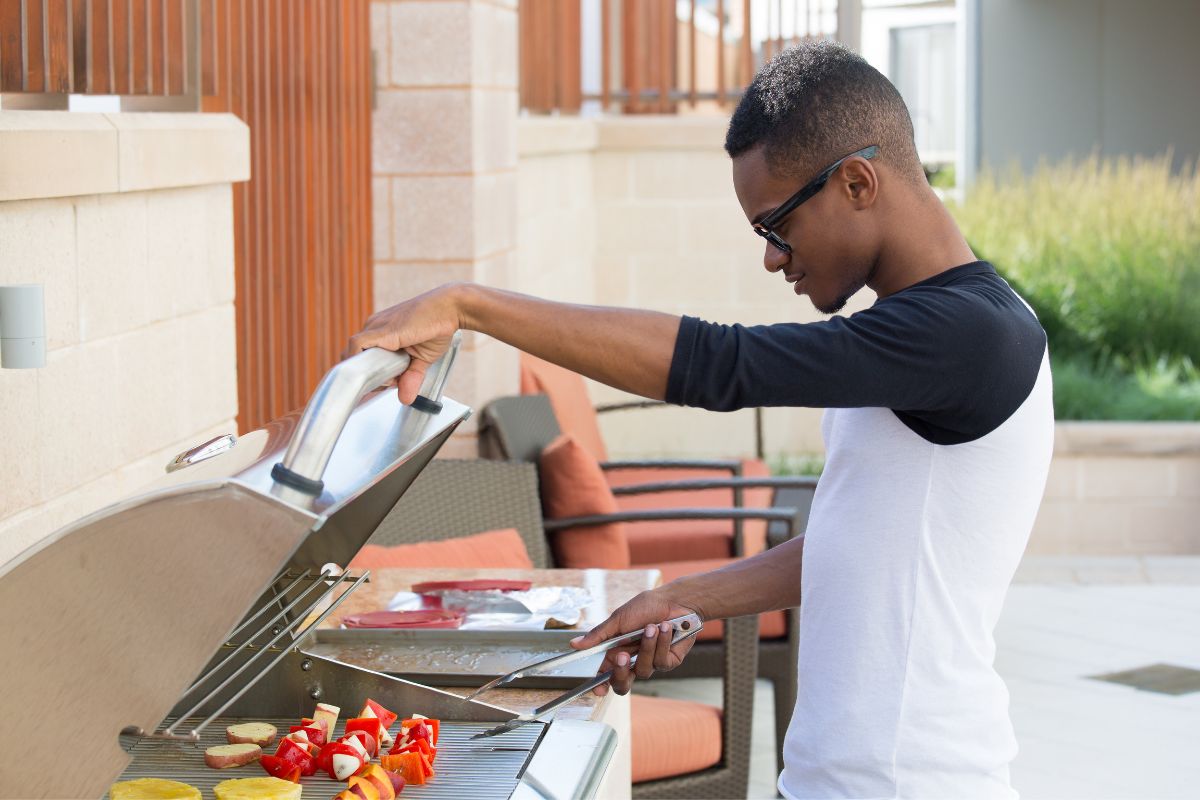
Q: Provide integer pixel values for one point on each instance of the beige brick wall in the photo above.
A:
(445, 167)
(1119, 489)
(139, 313)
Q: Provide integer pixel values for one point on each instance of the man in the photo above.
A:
(938, 435)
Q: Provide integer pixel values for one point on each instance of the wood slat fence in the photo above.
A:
(652, 55)
(298, 72)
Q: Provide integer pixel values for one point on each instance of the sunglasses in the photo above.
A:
(766, 226)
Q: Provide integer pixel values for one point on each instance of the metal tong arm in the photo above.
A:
(330, 407)
(584, 688)
(687, 624)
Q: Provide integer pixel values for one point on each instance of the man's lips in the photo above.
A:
(796, 278)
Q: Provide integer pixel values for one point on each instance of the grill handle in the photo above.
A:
(330, 407)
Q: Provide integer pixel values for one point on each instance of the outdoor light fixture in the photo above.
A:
(22, 326)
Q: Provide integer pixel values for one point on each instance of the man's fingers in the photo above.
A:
(647, 652)
(622, 679)
(410, 381)
(663, 659)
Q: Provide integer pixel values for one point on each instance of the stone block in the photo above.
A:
(494, 129)
(433, 218)
(422, 131)
(114, 281)
(495, 213)
(179, 269)
(493, 48)
(1131, 477)
(381, 218)
(20, 431)
(158, 150)
(431, 43)
(627, 230)
(52, 154)
(612, 176)
(37, 245)
(395, 283)
(381, 30)
(151, 369)
(687, 176)
(696, 280)
(1063, 481)
(78, 399)
(1187, 477)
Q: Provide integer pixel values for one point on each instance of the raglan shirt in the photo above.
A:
(938, 431)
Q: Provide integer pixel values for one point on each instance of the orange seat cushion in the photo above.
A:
(673, 737)
(499, 548)
(568, 396)
(573, 485)
(673, 540)
(771, 624)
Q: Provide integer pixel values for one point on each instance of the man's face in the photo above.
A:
(831, 248)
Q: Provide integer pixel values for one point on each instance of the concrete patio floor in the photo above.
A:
(1081, 739)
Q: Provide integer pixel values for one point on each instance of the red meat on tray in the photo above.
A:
(483, 585)
(421, 618)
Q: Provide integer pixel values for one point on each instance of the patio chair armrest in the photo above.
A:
(781, 482)
(604, 408)
(732, 466)
(788, 516)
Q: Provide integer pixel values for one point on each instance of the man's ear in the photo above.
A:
(860, 182)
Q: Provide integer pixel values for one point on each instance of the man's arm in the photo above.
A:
(764, 582)
(626, 348)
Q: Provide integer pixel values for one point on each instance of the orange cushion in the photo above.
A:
(572, 485)
(568, 397)
(653, 542)
(673, 737)
(771, 624)
(500, 548)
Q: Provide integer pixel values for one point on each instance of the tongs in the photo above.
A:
(684, 627)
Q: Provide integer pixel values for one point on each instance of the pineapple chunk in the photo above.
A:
(152, 789)
(257, 789)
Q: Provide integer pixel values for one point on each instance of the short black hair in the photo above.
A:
(816, 102)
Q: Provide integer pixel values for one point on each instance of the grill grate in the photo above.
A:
(484, 768)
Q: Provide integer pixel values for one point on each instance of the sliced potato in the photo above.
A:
(259, 733)
(224, 756)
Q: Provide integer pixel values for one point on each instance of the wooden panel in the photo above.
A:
(175, 47)
(79, 47)
(11, 53)
(298, 72)
(138, 45)
(35, 43)
(118, 43)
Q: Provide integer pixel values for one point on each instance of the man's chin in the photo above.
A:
(829, 307)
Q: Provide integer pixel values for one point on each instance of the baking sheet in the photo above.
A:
(455, 657)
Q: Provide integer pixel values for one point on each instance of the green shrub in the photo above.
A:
(1108, 254)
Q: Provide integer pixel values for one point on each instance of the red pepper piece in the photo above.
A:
(297, 755)
(386, 718)
(278, 767)
(432, 724)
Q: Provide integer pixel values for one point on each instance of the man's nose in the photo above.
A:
(774, 259)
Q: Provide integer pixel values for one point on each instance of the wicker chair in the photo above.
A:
(506, 494)
(520, 427)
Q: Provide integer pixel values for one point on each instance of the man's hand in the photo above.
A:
(648, 611)
(421, 327)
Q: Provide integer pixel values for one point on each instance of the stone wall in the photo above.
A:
(445, 167)
(127, 220)
(1121, 489)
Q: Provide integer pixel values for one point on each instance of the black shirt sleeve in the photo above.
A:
(953, 362)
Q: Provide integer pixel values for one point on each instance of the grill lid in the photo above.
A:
(108, 620)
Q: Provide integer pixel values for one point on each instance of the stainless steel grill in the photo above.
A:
(145, 629)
